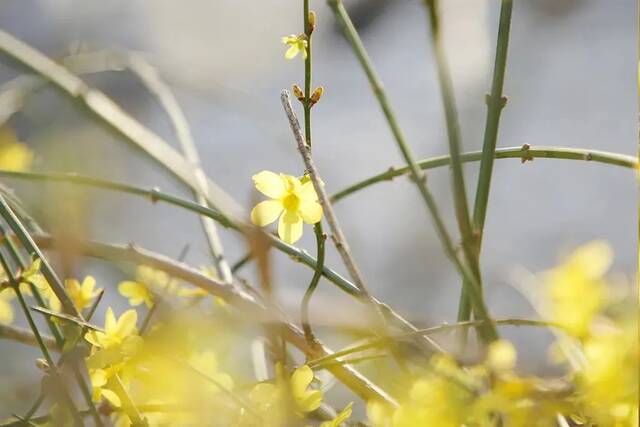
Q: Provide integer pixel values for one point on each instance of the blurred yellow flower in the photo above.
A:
(576, 290)
(157, 280)
(14, 156)
(116, 331)
(501, 356)
(6, 310)
(99, 379)
(271, 399)
(83, 294)
(136, 292)
(294, 201)
(296, 45)
(610, 379)
(207, 363)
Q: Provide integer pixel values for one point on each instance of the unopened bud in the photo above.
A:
(297, 92)
(43, 365)
(312, 21)
(316, 95)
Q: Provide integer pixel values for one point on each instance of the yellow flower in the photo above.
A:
(156, 280)
(576, 289)
(83, 294)
(136, 292)
(207, 363)
(501, 356)
(14, 155)
(115, 331)
(296, 44)
(99, 382)
(379, 414)
(294, 201)
(269, 398)
(6, 310)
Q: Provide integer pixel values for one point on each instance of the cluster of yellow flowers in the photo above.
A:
(598, 331)
(174, 375)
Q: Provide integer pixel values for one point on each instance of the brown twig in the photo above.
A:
(336, 232)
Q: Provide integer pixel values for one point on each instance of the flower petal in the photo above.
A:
(109, 322)
(137, 293)
(266, 212)
(292, 184)
(292, 51)
(308, 191)
(126, 324)
(311, 401)
(98, 377)
(300, 380)
(290, 227)
(111, 397)
(6, 312)
(311, 212)
(269, 183)
(264, 394)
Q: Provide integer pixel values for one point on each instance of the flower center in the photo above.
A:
(291, 202)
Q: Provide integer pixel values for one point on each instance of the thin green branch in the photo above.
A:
(380, 342)
(66, 346)
(156, 195)
(495, 104)
(25, 239)
(15, 256)
(488, 331)
(307, 73)
(523, 153)
(306, 299)
(241, 262)
(68, 318)
(455, 143)
(318, 232)
(128, 405)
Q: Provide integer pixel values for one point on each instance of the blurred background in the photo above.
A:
(570, 82)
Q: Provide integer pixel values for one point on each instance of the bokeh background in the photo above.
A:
(570, 82)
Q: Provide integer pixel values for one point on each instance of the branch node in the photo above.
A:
(526, 157)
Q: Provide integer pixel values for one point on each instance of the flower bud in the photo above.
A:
(316, 95)
(43, 365)
(312, 21)
(297, 92)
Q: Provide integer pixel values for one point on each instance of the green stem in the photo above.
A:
(416, 174)
(13, 252)
(128, 404)
(525, 153)
(495, 104)
(155, 195)
(52, 278)
(454, 138)
(307, 76)
(15, 256)
(241, 262)
(381, 342)
(304, 309)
